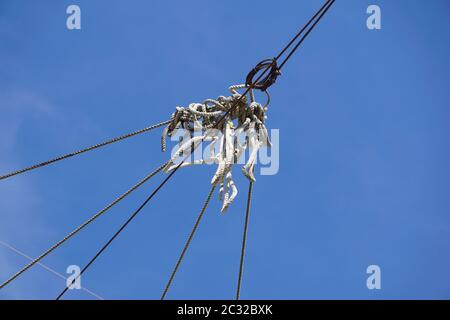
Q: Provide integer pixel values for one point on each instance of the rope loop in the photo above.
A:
(268, 79)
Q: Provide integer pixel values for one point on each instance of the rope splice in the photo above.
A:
(267, 80)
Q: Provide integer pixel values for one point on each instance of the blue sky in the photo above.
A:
(364, 131)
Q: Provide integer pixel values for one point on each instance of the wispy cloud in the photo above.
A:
(15, 108)
(17, 215)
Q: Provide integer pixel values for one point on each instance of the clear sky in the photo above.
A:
(364, 125)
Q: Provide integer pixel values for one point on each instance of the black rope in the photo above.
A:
(121, 228)
(302, 30)
(271, 64)
(321, 13)
(188, 242)
(244, 241)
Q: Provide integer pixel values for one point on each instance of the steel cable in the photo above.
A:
(244, 241)
(82, 226)
(75, 153)
(188, 242)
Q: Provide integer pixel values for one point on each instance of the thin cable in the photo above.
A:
(69, 155)
(244, 241)
(323, 11)
(272, 63)
(188, 242)
(56, 273)
(122, 227)
(302, 30)
(82, 226)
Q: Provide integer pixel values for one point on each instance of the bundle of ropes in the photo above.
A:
(231, 129)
